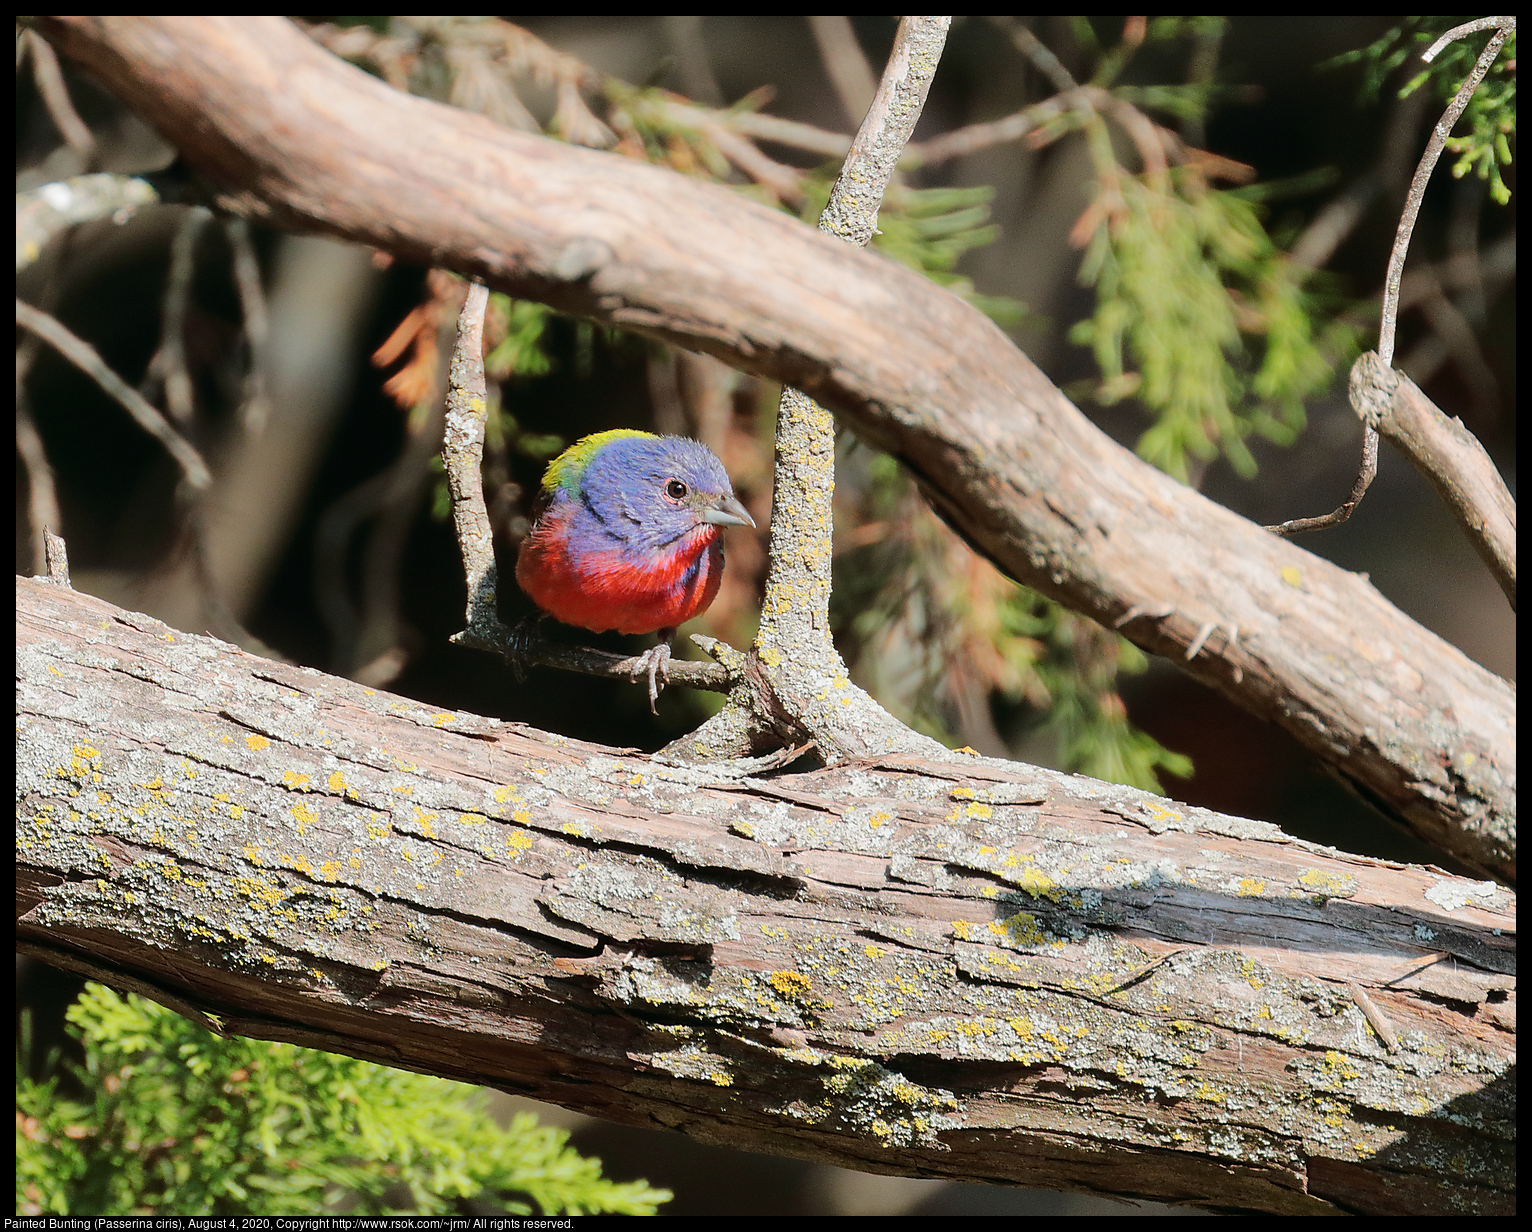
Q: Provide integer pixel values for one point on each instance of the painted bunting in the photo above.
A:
(625, 536)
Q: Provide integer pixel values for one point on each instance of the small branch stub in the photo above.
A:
(58, 558)
(1448, 455)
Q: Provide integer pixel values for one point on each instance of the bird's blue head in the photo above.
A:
(645, 492)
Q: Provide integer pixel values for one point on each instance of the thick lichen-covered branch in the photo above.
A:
(962, 968)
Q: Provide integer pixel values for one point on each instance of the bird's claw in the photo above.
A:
(518, 645)
(655, 662)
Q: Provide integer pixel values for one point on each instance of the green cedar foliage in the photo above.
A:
(1187, 284)
(180, 1121)
(1199, 315)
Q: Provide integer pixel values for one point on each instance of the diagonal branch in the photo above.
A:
(88, 360)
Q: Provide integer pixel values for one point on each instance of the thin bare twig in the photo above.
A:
(167, 368)
(1035, 50)
(57, 556)
(255, 407)
(974, 137)
(1463, 31)
(1148, 136)
(1428, 160)
(85, 357)
(1366, 473)
(762, 127)
(1374, 1016)
(786, 182)
(1369, 464)
(1157, 146)
(462, 451)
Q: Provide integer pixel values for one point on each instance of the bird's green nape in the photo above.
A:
(565, 470)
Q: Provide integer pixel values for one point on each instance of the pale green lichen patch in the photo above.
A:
(692, 1061)
(1054, 872)
(861, 829)
(1025, 1037)
(881, 1105)
(882, 989)
(1018, 930)
(638, 898)
(730, 996)
(578, 784)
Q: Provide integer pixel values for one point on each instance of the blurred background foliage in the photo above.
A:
(163, 1117)
(1183, 221)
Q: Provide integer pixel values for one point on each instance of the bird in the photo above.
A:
(625, 537)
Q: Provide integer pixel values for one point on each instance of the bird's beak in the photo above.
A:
(727, 512)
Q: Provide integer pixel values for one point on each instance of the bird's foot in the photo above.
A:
(518, 644)
(655, 662)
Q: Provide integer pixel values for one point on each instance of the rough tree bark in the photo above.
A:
(982, 971)
(289, 133)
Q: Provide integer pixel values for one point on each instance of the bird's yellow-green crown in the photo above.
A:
(565, 470)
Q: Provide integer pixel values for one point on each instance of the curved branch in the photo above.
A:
(292, 134)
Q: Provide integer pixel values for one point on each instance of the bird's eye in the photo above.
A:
(676, 490)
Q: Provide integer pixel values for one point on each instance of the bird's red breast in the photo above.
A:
(602, 590)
